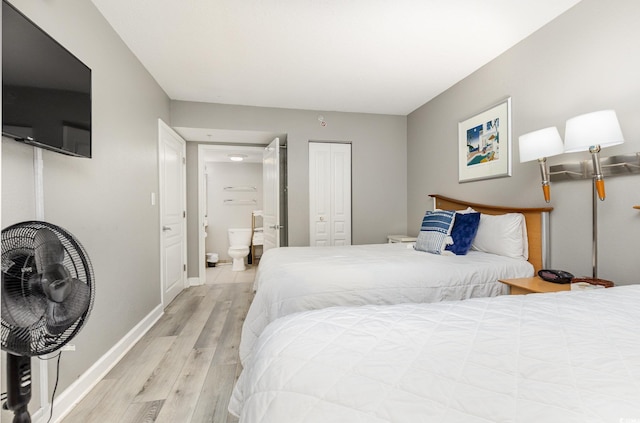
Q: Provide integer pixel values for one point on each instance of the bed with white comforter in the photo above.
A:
(560, 357)
(294, 279)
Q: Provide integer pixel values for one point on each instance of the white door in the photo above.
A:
(329, 194)
(173, 272)
(319, 194)
(271, 195)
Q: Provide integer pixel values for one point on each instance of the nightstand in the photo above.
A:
(401, 238)
(532, 285)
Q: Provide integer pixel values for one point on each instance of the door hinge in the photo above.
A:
(184, 267)
(184, 160)
(184, 214)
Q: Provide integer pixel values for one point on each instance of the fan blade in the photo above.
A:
(20, 307)
(47, 249)
(61, 316)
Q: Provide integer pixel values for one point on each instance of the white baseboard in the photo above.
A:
(194, 281)
(71, 396)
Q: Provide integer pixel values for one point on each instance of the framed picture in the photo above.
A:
(484, 144)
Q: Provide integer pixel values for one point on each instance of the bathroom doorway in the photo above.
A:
(231, 195)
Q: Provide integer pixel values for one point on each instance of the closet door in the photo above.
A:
(329, 194)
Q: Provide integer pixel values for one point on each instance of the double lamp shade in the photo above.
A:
(589, 132)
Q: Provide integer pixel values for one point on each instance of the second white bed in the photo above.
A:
(565, 357)
(309, 278)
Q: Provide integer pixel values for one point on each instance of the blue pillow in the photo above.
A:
(435, 231)
(463, 233)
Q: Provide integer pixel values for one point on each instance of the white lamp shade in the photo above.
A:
(591, 129)
(538, 144)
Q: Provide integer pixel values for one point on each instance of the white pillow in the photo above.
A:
(504, 234)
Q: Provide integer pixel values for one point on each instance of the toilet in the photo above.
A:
(239, 241)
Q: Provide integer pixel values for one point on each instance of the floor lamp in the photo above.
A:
(592, 132)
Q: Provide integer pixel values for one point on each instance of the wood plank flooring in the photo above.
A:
(182, 370)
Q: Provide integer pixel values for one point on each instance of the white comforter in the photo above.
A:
(296, 279)
(564, 357)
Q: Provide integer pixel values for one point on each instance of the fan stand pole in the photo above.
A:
(19, 387)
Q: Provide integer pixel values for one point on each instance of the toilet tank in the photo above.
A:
(239, 237)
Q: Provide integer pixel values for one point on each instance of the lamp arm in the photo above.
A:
(597, 171)
(544, 173)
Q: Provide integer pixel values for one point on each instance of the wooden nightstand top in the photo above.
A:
(534, 284)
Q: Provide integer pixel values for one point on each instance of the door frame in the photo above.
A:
(202, 275)
(201, 278)
(269, 186)
(162, 126)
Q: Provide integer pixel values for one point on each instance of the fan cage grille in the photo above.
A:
(18, 256)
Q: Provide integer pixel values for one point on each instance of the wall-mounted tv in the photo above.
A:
(46, 90)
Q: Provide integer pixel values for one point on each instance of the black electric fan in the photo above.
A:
(47, 295)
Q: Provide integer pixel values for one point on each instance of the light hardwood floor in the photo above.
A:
(183, 370)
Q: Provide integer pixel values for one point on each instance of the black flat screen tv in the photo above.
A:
(46, 90)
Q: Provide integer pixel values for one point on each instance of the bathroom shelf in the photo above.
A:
(241, 189)
(231, 202)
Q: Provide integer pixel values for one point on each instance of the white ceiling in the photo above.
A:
(369, 56)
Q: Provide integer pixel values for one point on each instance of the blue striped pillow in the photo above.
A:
(435, 232)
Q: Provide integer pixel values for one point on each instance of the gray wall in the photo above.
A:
(586, 60)
(103, 201)
(379, 158)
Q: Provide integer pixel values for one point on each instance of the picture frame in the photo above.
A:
(484, 144)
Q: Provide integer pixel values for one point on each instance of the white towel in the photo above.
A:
(258, 238)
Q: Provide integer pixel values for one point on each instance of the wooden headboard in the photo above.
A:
(537, 220)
